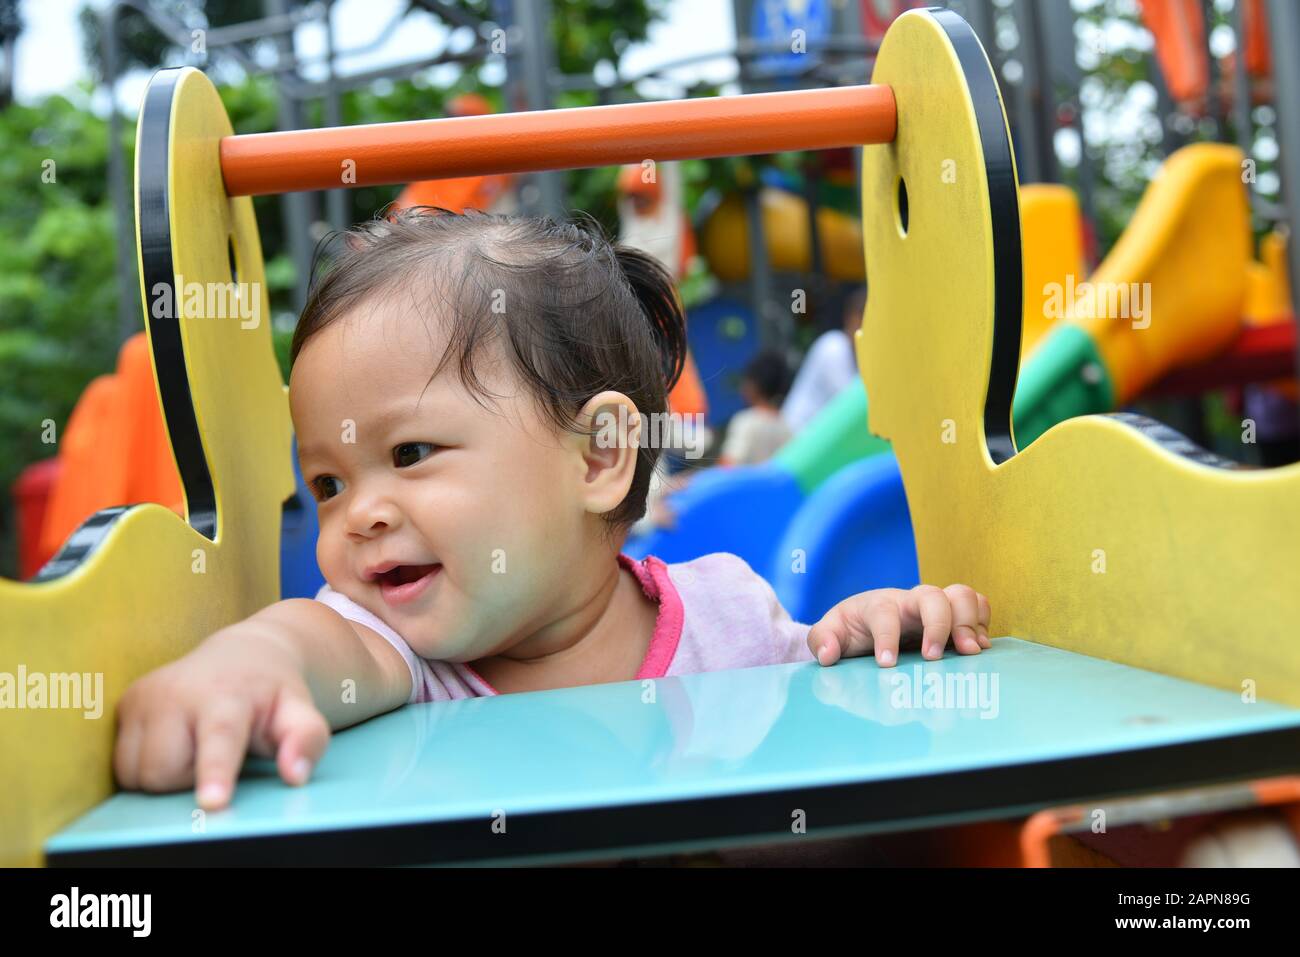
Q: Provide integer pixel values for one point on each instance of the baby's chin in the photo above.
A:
(418, 626)
(433, 648)
(373, 602)
(421, 630)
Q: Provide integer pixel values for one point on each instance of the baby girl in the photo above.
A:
(468, 393)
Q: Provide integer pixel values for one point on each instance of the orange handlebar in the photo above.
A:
(385, 153)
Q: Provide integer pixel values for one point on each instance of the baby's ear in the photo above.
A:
(608, 449)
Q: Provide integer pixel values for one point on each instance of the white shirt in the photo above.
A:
(829, 366)
(753, 436)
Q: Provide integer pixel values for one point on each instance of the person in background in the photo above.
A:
(754, 435)
(756, 432)
(829, 366)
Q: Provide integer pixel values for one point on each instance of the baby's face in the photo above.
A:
(457, 525)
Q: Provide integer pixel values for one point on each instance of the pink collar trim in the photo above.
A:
(652, 573)
(483, 681)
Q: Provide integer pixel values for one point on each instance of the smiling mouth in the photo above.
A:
(404, 583)
(404, 574)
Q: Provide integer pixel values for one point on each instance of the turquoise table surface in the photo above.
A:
(714, 760)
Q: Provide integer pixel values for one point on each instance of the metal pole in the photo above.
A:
(10, 27)
(771, 321)
(1241, 112)
(1065, 76)
(1213, 107)
(1034, 106)
(534, 18)
(1284, 24)
(295, 208)
(1243, 119)
(119, 188)
(337, 201)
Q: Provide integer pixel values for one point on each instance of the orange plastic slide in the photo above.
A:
(114, 450)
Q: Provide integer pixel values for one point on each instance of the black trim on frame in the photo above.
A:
(1171, 440)
(84, 540)
(861, 807)
(152, 155)
(1004, 207)
(164, 330)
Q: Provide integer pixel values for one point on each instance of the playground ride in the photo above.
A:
(159, 583)
(1143, 528)
(138, 586)
(1183, 539)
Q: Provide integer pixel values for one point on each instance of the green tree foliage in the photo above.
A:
(58, 299)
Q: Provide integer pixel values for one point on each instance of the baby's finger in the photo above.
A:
(985, 613)
(301, 734)
(126, 754)
(886, 627)
(824, 639)
(845, 630)
(166, 753)
(222, 736)
(935, 614)
(965, 619)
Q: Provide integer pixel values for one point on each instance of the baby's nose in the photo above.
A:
(371, 517)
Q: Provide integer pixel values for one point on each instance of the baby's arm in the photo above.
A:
(273, 684)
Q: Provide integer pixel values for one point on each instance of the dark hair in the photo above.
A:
(854, 305)
(849, 301)
(770, 373)
(577, 314)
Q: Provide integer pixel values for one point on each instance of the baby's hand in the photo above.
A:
(876, 621)
(191, 722)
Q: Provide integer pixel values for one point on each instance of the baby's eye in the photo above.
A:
(409, 453)
(325, 487)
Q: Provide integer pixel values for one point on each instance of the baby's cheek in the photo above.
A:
(323, 559)
(329, 557)
(501, 536)
(506, 597)
(549, 518)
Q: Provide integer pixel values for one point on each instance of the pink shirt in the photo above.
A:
(715, 613)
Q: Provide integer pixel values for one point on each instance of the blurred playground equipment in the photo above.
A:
(725, 238)
(113, 451)
(1180, 291)
(1182, 50)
